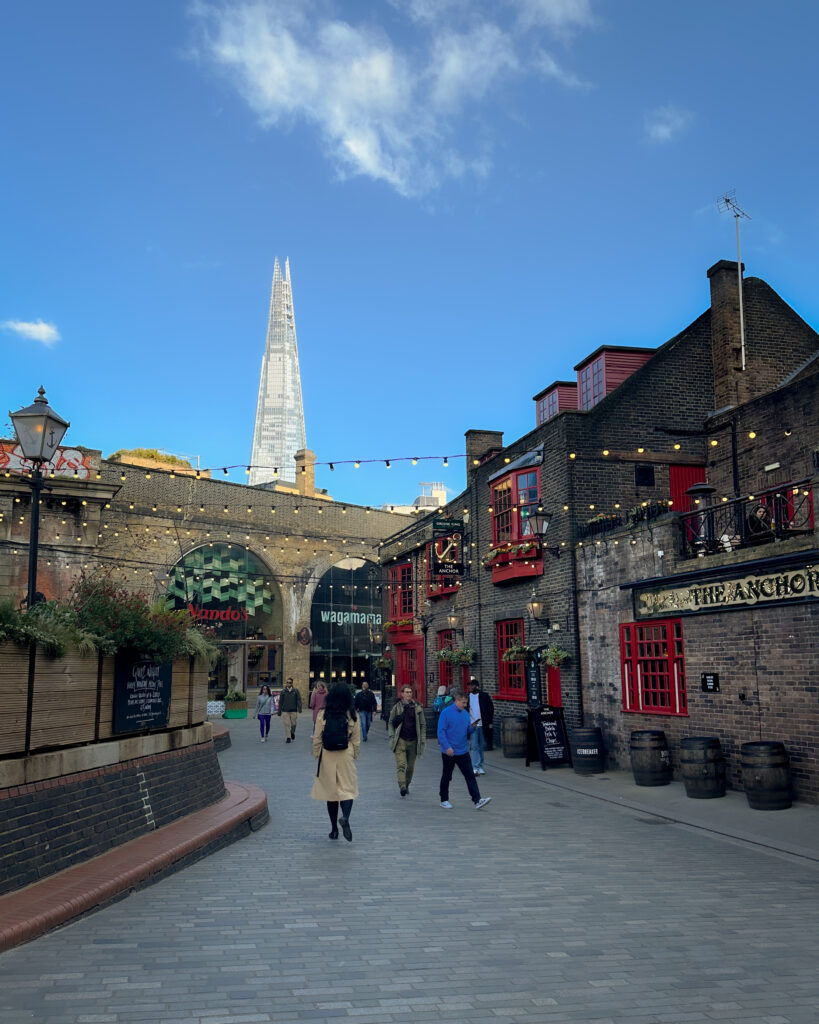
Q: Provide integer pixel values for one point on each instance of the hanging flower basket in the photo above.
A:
(456, 656)
(554, 656)
(518, 652)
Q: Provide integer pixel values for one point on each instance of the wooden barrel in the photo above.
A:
(588, 755)
(702, 766)
(650, 760)
(766, 776)
(513, 737)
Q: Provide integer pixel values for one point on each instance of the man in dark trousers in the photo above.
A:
(289, 709)
(408, 736)
(366, 705)
(453, 739)
(481, 716)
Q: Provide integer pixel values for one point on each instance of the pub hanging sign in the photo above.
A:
(447, 559)
(799, 583)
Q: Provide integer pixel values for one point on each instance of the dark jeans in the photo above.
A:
(366, 719)
(264, 725)
(464, 762)
(332, 810)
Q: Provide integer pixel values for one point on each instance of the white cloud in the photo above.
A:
(387, 111)
(35, 330)
(665, 123)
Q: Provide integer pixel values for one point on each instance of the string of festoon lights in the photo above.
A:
(600, 510)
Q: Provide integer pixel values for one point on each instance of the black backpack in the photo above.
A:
(334, 736)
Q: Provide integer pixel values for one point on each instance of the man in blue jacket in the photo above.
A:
(453, 738)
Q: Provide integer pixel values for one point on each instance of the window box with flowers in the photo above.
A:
(394, 626)
(513, 561)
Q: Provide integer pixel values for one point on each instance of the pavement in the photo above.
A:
(567, 899)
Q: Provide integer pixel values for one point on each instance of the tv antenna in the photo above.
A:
(727, 203)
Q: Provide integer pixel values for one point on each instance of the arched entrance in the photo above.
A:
(230, 589)
(345, 622)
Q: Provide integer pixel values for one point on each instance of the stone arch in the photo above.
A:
(345, 618)
(231, 589)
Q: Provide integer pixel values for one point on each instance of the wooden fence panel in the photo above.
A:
(13, 697)
(65, 695)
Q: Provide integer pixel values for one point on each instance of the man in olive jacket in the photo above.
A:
(289, 709)
(407, 735)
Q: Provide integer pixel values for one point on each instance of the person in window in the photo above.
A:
(408, 735)
(758, 525)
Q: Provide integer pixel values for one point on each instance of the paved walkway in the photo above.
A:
(557, 903)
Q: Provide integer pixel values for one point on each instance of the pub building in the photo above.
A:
(654, 534)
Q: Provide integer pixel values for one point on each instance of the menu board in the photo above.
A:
(547, 738)
(142, 693)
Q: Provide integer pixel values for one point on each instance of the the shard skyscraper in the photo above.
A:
(279, 430)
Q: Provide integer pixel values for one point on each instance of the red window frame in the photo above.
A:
(439, 586)
(511, 674)
(652, 660)
(513, 498)
(399, 591)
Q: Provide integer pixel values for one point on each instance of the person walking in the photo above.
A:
(366, 705)
(481, 716)
(453, 739)
(318, 698)
(336, 780)
(289, 709)
(264, 709)
(407, 730)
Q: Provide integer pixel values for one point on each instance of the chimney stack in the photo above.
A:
(306, 472)
(731, 382)
(479, 443)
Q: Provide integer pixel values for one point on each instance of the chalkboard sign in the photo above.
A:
(547, 738)
(710, 682)
(142, 693)
(534, 696)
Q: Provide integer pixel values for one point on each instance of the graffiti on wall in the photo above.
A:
(66, 462)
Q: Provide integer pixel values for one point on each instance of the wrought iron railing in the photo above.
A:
(605, 522)
(774, 514)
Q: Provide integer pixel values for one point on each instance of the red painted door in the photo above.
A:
(554, 695)
(680, 478)
(409, 668)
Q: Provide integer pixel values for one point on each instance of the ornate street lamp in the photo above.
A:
(39, 431)
(538, 522)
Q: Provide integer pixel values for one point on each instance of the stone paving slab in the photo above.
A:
(548, 906)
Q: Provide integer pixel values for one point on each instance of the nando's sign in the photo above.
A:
(799, 583)
(229, 614)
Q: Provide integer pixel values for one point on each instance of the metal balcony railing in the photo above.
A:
(774, 514)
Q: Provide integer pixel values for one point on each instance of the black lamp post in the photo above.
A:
(39, 431)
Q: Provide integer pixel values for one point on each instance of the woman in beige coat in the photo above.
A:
(336, 780)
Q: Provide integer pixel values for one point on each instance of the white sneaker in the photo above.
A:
(262, 739)
(446, 805)
(480, 771)
(484, 800)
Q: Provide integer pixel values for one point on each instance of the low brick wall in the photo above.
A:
(57, 822)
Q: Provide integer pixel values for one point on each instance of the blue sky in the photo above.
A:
(473, 196)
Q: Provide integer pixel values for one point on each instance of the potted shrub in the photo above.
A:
(235, 701)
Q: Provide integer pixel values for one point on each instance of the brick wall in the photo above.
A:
(768, 653)
(51, 825)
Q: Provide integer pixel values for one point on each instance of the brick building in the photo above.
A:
(247, 560)
(619, 449)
